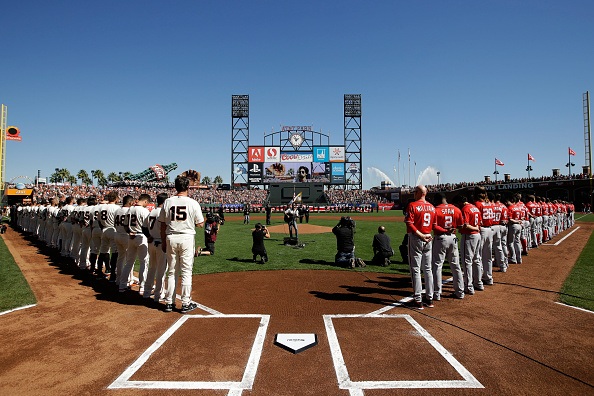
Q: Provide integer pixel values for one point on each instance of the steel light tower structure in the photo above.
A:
(587, 132)
(352, 141)
(240, 138)
(3, 115)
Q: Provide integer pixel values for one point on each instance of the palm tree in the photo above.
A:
(206, 180)
(71, 179)
(54, 177)
(82, 175)
(126, 175)
(102, 181)
(218, 180)
(63, 175)
(113, 177)
(97, 174)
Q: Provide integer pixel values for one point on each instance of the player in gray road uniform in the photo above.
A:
(445, 245)
(470, 244)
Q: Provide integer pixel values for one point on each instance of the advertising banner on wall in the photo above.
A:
(321, 154)
(337, 154)
(256, 154)
(255, 170)
(337, 175)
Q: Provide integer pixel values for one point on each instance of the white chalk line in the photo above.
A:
(178, 297)
(356, 387)
(401, 301)
(578, 308)
(562, 239)
(17, 309)
(235, 388)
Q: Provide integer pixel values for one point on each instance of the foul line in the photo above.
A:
(17, 309)
(578, 308)
(356, 387)
(562, 239)
(400, 302)
(202, 307)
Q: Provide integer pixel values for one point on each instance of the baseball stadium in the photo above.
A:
(299, 321)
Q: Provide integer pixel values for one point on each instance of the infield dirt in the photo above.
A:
(513, 337)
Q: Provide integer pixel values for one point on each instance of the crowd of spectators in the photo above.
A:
(240, 197)
(461, 185)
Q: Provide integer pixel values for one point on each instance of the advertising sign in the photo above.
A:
(321, 154)
(255, 172)
(337, 175)
(272, 154)
(256, 154)
(296, 156)
(337, 154)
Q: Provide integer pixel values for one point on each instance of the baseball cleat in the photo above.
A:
(189, 307)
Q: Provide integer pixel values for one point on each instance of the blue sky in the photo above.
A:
(123, 85)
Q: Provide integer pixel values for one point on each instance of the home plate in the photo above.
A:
(296, 342)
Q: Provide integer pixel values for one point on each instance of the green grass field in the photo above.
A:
(234, 243)
(14, 289)
(233, 253)
(577, 289)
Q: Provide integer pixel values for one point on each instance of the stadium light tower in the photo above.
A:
(3, 115)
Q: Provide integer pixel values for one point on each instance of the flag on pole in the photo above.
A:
(408, 155)
(398, 155)
(571, 152)
(497, 162)
(530, 158)
(296, 199)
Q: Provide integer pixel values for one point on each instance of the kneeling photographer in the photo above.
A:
(345, 244)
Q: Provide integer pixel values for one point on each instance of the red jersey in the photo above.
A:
(498, 210)
(420, 215)
(552, 209)
(448, 216)
(504, 213)
(533, 208)
(515, 212)
(487, 213)
(471, 215)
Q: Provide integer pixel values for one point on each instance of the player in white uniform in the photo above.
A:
(66, 227)
(96, 233)
(87, 232)
(106, 221)
(121, 240)
(55, 213)
(157, 259)
(137, 242)
(77, 218)
(179, 217)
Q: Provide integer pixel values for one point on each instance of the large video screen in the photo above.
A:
(323, 164)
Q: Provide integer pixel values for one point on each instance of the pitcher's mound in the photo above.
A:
(302, 228)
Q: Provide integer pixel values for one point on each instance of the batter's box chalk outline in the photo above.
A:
(356, 388)
(235, 388)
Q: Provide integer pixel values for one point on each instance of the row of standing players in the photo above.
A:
(105, 235)
(493, 232)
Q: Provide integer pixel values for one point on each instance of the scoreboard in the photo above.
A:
(273, 165)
